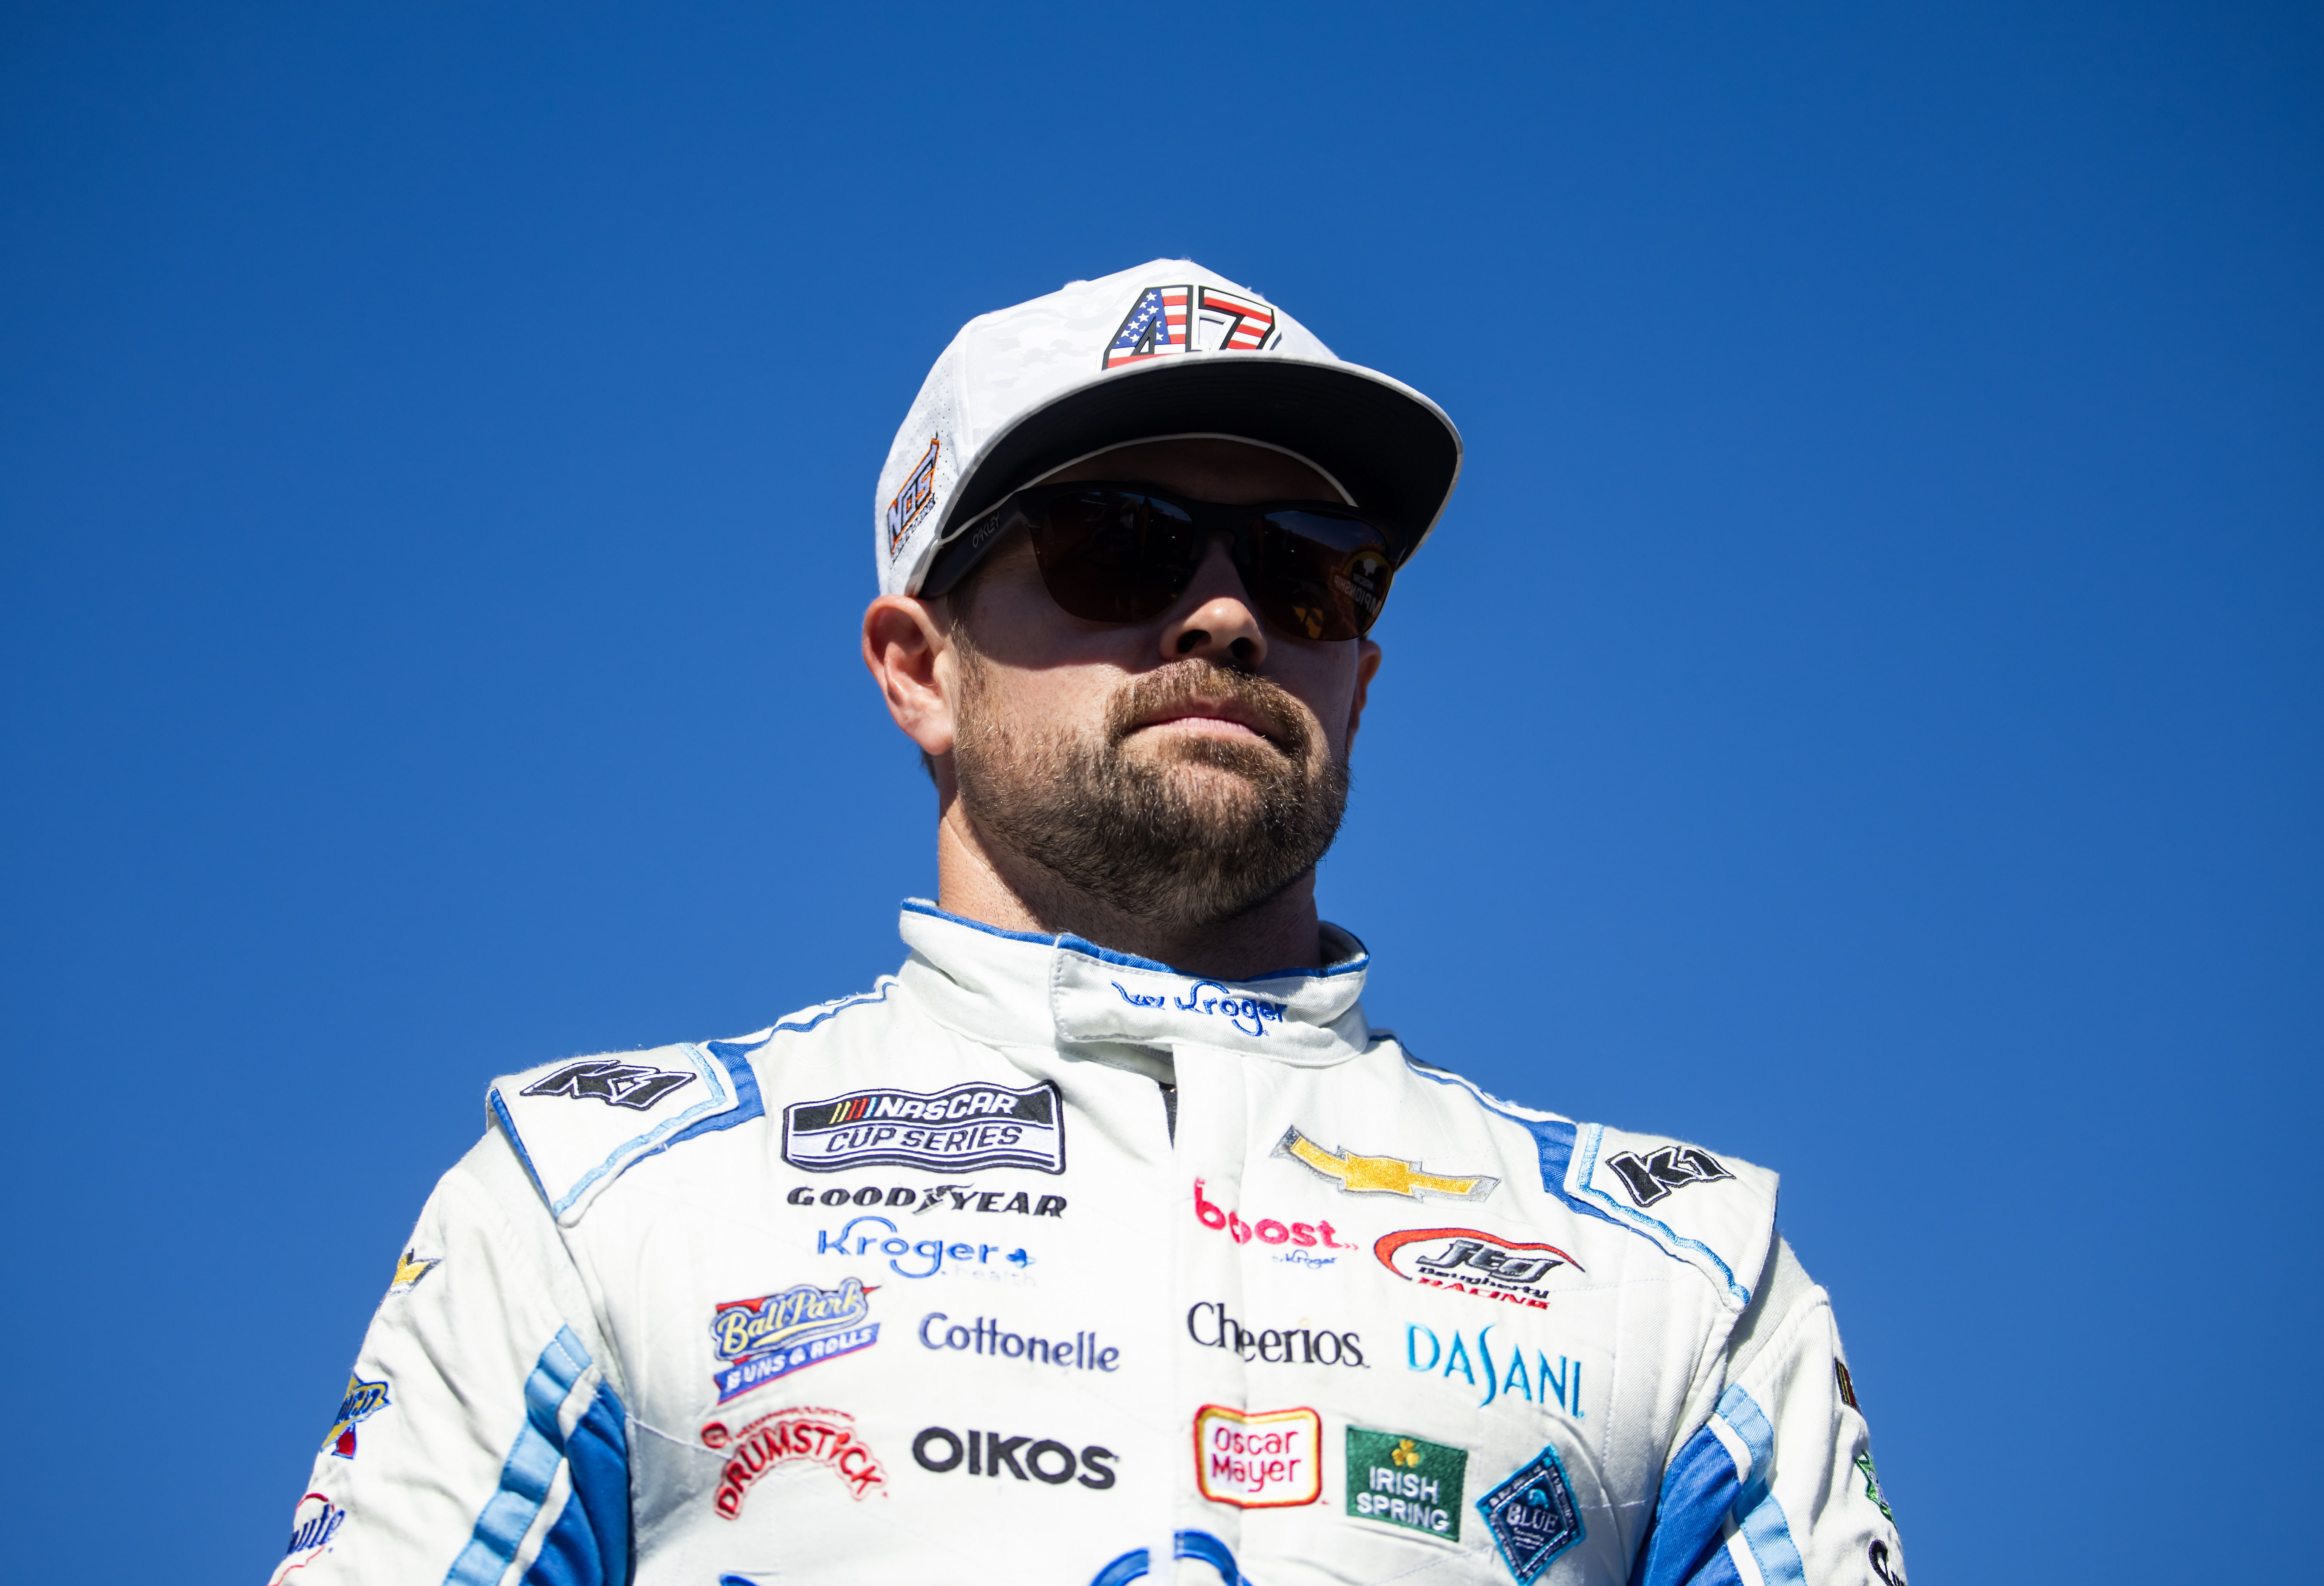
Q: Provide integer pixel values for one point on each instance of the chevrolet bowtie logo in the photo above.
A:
(409, 1270)
(1360, 1175)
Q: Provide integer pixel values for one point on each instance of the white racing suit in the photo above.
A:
(924, 1285)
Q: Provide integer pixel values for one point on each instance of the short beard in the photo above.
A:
(1164, 846)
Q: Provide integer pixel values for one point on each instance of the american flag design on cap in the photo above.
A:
(1155, 327)
(1234, 324)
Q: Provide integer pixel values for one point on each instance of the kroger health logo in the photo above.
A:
(929, 1255)
(774, 1335)
(1251, 1015)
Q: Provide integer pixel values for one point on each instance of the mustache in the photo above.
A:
(1183, 683)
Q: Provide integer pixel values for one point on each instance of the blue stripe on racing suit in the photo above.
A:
(589, 1543)
(1704, 1493)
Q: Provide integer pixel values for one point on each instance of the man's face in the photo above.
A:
(1183, 770)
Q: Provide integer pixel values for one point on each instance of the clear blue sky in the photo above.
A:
(1861, 711)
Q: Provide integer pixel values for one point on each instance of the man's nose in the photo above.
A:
(1214, 619)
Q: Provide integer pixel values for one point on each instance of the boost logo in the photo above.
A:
(774, 1335)
(1259, 1459)
(963, 1130)
(940, 1449)
(1473, 1262)
(824, 1437)
(1266, 1229)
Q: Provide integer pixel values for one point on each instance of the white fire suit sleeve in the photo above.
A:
(1777, 1485)
(479, 1431)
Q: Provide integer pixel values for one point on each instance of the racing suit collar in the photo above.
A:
(1014, 989)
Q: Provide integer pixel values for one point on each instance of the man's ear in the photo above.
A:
(1368, 665)
(910, 656)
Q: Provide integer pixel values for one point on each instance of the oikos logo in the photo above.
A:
(940, 1450)
(1266, 1231)
(1473, 1262)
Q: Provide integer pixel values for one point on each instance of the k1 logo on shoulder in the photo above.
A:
(1472, 1261)
(361, 1401)
(1259, 1459)
(1533, 1516)
(313, 1524)
(1357, 1175)
(617, 1085)
(1650, 1177)
(769, 1337)
(823, 1437)
(963, 1130)
(1406, 1481)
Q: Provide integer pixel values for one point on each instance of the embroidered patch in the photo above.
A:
(1532, 1515)
(1228, 322)
(767, 1339)
(1872, 1484)
(361, 1401)
(966, 1129)
(1392, 1176)
(1156, 326)
(410, 1269)
(1472, 1261)
(1847, 1384)
(1406, 1481)
(1259, 1459)
(912, 502)
(1650, 1177)
(823, 1437)
(313, 1524)
(634, 1085)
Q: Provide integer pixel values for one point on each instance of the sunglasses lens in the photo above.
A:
(1319, 575)
(1114, 556)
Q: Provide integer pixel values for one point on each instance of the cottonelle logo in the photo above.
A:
(1472, 1261)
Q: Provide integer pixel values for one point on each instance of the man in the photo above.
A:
(1102, 1241)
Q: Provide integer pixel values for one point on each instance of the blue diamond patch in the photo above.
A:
(1532, 1515)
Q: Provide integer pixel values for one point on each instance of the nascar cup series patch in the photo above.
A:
(966, 1129)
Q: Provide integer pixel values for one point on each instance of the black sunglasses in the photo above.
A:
(1125, 553)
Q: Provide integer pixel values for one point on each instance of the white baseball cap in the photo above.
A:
(1167, 350)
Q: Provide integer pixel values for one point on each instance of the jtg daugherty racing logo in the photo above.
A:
(966, 1129)
(1250, 1015)
(1472, 1261)
(774, 1335)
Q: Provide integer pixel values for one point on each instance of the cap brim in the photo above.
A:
(1394, 450)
